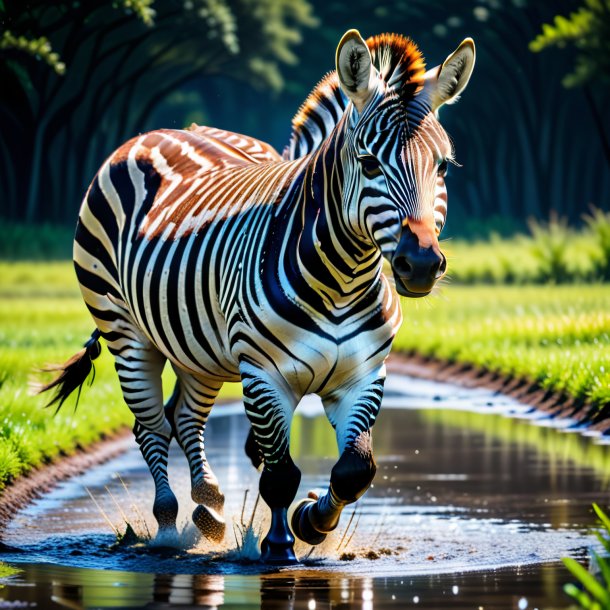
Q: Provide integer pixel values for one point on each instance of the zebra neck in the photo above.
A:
(336, 263)
(317, 118)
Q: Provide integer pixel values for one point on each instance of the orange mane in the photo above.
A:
(399, 62)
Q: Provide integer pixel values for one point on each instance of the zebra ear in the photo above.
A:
(355, 68)
(447, 81)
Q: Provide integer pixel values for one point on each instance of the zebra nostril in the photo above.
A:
(403, 267)
(442, 267)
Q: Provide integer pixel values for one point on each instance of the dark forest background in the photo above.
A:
(77, 78)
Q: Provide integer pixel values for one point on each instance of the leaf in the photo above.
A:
(604, 567)
(580, 596)
(601, 515)
(603, 541)
(588, 581)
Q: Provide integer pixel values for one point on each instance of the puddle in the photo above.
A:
(472, 506)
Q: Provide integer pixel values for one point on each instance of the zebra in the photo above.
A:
(208, 250)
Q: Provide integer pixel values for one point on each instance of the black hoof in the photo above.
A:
(301, 523)
(278, 554)
(277, 547)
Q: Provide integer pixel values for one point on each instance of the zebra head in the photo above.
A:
(395, 151)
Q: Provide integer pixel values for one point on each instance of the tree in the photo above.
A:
(80, 76)
(588, 31)
(524, 142)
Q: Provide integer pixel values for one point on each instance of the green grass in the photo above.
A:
(552, 253)
(556, 336)
(43, 320)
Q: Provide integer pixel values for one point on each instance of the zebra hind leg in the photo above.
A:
(139, 366)
(190, 418)
(155, 448)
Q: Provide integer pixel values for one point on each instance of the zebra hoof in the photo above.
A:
(274, 553)
(167, 536)
(165, 510)
(210, 523)
(277, 547)
(208, 494)
(300, 523)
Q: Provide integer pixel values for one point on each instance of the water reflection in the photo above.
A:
(54, 588)
(454, 491)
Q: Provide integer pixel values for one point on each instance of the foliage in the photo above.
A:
(39, 48)
(557, 337)
(588, 29)
(6, 571)
(42, 320)
(119, 61)
(525, 143)
(595, 592)
(43, 242)
(599, 225)
(549, 249)
(552, 253)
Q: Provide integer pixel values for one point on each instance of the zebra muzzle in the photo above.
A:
(416, 269)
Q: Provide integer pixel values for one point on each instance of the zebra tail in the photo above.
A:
(72, 373)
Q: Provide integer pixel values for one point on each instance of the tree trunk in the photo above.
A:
(598, 123)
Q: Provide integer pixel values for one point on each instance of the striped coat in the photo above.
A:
(206, 249)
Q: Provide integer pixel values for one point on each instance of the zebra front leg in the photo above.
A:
(190, 418)
(269, 406)
(312, 519)
(253, 451)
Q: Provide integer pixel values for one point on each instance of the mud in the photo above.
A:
(555, 404)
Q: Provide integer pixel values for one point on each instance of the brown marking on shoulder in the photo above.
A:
(204, 176)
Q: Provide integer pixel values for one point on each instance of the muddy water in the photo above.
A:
(474, 503)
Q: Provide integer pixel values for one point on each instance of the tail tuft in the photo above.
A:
(73, 373)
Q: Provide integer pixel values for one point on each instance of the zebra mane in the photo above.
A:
(400, 64)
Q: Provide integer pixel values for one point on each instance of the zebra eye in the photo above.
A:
(370, 166)
(442, 168)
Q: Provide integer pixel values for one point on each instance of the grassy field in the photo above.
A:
(552, 252)
(558, 336)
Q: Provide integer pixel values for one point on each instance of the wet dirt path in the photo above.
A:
(471, 507)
